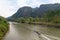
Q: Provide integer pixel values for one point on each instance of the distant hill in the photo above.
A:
(46, 7)
(34, 12)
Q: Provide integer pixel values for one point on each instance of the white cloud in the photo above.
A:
(32, 3)
(6, 9)
(35, 3)
(21, 3)
(53, 1)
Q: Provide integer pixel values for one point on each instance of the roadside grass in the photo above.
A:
(4, 26)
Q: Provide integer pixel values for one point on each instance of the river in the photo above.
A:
(19, 31)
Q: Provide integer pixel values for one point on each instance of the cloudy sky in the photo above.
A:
(9, 7)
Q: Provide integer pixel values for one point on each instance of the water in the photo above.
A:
(26, 32)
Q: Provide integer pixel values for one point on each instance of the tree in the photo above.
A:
(22, 20)
(50, 15)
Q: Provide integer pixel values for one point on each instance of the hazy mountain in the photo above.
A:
(33, 12)
(46, 7)
(23, 12)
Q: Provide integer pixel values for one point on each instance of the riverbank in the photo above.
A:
(3, 31)
(50, 24)
(46, 24)
(4, 27)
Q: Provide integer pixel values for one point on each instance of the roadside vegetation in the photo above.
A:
(4, 26)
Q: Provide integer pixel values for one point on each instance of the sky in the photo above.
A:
(9, 7)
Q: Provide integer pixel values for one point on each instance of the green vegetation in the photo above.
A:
(4, 26)
(27, 20)
(53, 16)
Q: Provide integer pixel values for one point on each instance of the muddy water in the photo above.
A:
(26, 32)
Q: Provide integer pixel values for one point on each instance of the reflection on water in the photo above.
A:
(25, 32)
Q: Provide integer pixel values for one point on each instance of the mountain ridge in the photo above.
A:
(34, 12)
